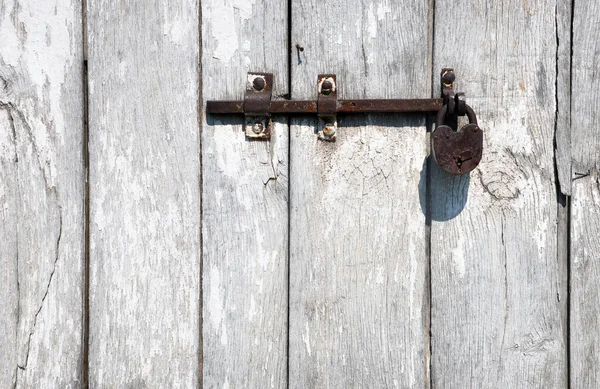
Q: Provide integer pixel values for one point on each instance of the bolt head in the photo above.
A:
(257, 127)
(329, 129)
(448, 77)
(258, 83)
(326, 87)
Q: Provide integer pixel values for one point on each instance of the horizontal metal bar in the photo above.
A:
(391, 105)
(344, 106)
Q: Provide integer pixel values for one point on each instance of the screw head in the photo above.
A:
(448, 77)
(258, 83)
(257, 127)
(329, 129)
(326, 87)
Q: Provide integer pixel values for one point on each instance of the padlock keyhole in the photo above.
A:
(459, 161)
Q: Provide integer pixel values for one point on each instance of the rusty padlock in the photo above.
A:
(457, 152)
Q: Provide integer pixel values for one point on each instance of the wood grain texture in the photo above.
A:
(497, 291)
(144, 193)
(585, 202)
(563, 97)
(244, 202)
(41, 194)
(358, 261)
(585, 288)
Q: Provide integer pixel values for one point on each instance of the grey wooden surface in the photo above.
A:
(497, 296)
(585, 202)
(244, 203)
(41, 194)
(144, 148)
(564, 18)
(358, 260)
(219, 262)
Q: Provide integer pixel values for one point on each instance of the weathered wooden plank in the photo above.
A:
(144, 193)
(585, 202)
(497, 291)
(41, 194)
(563, 96)
(585, 249)
(245, 202)
(358, 261)
(562, 152)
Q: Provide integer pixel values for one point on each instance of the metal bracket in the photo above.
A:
(455, 101)
(327, 106)
(447, 78)
(257, 101)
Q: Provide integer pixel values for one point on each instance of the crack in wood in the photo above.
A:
(56, 258)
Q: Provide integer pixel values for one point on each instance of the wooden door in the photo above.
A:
(145, 243)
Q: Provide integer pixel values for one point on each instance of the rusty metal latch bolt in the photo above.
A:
(457, 152)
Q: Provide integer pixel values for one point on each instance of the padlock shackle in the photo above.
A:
(441, 115)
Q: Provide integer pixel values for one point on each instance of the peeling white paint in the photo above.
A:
(382, 10)
(218, 197)
(514, 130)
(306, 339)
(228, 154)
(177, 26)
(379, 277)
(414, 263)
(215, 304)
(246, 50)
(45, 22)
(252, 310)
(223, 28)
(458, 256)
(371, 22)
(259, 283)
(223, 334)
(540, 234)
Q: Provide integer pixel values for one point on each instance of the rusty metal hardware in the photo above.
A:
(455, 101)
(328, 102)
(327, 106)
(257, 102)
(457, 152)
(309, 107)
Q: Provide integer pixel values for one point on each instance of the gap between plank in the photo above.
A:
(429, 123)
(289, 210)
(86, 166)
(200, 179)
(568, 199)
(568, 287)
